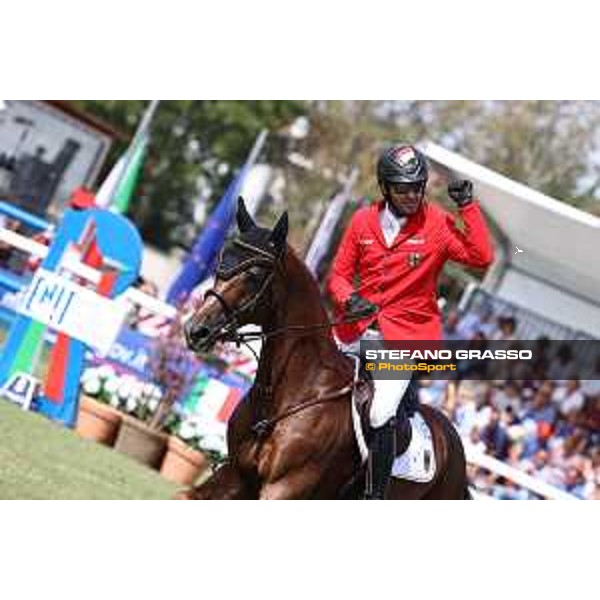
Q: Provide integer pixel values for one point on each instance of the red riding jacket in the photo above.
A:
(402, 279)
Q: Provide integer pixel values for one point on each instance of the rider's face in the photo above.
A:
(405, 197)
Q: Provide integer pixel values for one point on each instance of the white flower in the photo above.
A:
(137, 389)
(114, 401)
(92, 387)
(111, 385)
(131, 404)
(124, 390)
(153, 404)
(215, 443)
(89, 373)
(148, 389)
(186, 430)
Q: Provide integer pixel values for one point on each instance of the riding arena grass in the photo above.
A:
(40, 459)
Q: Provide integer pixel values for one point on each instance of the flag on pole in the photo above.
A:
(322, 238)
(106, 191)
(202, 259)
(201, 262)
(117, 189)
(124, 190)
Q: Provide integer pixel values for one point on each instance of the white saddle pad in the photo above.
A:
(418, 462)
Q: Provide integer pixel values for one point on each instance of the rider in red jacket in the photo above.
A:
(397, 248)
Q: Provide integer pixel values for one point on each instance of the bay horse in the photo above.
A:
(292, 436)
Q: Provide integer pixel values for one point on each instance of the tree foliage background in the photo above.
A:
(194, 149)
(551, 146)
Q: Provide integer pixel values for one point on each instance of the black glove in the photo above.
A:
(359, 307)
(461, 191)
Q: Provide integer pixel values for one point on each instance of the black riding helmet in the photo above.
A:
(401, 163)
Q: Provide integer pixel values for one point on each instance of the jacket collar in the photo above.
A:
(413, 224)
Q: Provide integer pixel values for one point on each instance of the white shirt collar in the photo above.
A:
(391, 225)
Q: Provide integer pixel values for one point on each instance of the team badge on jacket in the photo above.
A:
(414, 259)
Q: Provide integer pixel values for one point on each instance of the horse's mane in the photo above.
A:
(300, 277)
(303, 273)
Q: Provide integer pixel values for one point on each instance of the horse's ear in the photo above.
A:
(244, 220)
(280, 231)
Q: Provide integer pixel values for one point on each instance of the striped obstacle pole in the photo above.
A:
(80, 317)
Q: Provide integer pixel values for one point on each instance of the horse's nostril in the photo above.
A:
(195, 333)
(198, 332)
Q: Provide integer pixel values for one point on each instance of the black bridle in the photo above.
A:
(228, 331)
(233, 316)
(233, 320)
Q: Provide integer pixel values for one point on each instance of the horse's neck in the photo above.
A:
(297, 303)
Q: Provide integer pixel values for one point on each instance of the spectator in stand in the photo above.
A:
(590, 388)
(590, 417)
(542, 348)
(433, 392)
(568, 398)
(451, 329)
(541, 421)
(507, 327)
(479, 320)
(563, 366)
(575, 482)
(473, 369)
(472, 408)
(475, 439)
(542, 410)
(509, 394)
(495, 436)
(537, 375)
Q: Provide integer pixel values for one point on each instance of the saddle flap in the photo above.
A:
(418, 462)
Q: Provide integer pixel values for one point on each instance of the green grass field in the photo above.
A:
(42, 460)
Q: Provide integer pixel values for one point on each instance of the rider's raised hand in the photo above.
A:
(461, 191)
(360, 307)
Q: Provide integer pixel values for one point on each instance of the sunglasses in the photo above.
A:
(405, 188)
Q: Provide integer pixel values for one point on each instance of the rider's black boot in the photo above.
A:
(382, 452)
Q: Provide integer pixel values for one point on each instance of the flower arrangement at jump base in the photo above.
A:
(106, 397)
(124, 392)
(199, 433)
(144, 435)
(149, 423)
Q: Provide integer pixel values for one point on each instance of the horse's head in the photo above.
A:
(243, 286)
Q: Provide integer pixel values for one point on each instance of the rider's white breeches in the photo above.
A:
(388, 392)
(387, 398)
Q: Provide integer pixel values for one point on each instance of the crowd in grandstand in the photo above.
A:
(541, 419)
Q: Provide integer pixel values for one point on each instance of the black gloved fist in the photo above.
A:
(359, 307)
(461, 191)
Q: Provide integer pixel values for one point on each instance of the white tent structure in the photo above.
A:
(557, 274)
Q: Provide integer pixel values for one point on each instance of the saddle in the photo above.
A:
(362, 400)
(415, 455)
